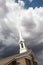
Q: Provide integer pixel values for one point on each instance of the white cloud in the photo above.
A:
(21, 3)
(26, 20)
(30, 1)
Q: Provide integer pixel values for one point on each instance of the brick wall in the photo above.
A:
(22, 61)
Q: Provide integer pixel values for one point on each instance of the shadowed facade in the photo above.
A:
(26, 58)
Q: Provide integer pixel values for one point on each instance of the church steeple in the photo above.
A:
(22, 45)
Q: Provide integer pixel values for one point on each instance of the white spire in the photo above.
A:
(21, 39)
(22, 44)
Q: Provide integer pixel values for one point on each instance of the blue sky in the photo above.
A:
(33, 3)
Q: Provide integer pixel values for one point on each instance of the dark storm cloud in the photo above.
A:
(8, 41)
(10, 50)
(37, 48)
(1, 44)
(2, 47)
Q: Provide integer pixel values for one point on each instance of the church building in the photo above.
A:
(25, 57)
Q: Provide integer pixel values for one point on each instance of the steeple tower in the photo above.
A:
(22, 45)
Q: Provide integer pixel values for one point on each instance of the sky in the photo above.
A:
(25, 16)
